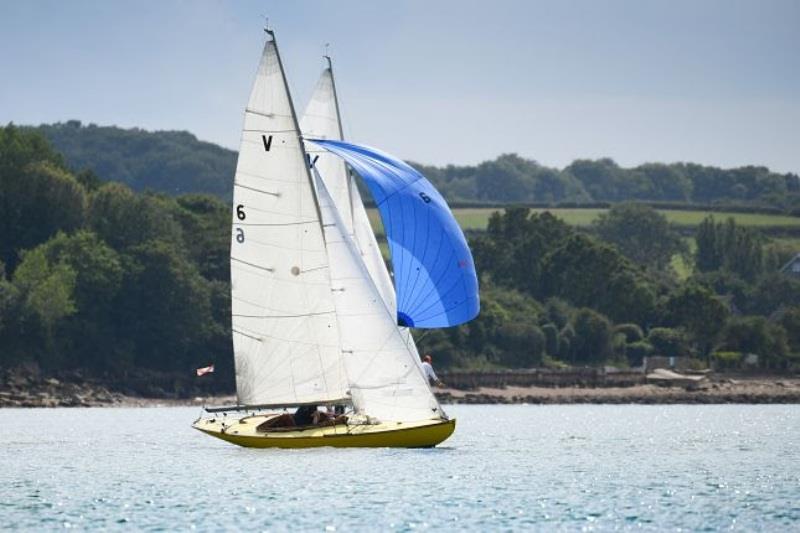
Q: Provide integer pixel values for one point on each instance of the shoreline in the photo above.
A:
(755, 390)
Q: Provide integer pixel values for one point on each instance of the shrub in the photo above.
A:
(632, 332)
(668, 342)
(637, 351)
(727, 360)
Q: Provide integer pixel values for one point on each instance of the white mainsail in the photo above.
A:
(322, 120)
(386, 381)
(285, 332)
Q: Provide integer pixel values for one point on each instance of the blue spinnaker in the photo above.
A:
(434, 274)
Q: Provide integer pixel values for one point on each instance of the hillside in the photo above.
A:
(177, 162)
(173, 162)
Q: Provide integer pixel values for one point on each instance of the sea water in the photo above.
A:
(523, 467)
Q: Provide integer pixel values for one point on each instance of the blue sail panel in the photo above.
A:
(434, 274)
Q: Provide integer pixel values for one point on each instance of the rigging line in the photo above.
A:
(276, 194)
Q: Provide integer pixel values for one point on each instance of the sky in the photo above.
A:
(433, 81)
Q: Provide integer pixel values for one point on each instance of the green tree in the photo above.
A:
(700, 312)
(755, 334)
(551, 339)
(167, 307)
(122, 218)
(46, 291)
(668, 342)
(593, 337)
(586, 273)
(36, 202)
(92, 330)
(730, 247)
(632, 332)
(641, 233)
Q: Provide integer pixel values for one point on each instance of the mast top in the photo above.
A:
(267, 29)
(327, 56)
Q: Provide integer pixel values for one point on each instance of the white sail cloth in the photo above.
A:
(285, 332)
(386, 381)
(322, 120)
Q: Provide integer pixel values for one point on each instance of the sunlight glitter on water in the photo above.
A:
(506, 467)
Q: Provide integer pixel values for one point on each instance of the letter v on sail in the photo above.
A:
(314, 311)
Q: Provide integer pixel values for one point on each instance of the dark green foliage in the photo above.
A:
(177, 163)
(160, 279)
(173, 162)
(592, 341)
(791, 324)
(544, 257)
(641, 233)
(770, 294)
(207, 220)
(668, 342)
(37, 196)
(123, 218)
(108, 281)
(632, 332)
(97, 277)
(728, 246)
(699, 311)
(755, 334)
(637, 351)
(551, 339)
(587, 273)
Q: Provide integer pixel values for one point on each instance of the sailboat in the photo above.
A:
(317, 319)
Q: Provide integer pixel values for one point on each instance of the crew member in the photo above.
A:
(430, 375)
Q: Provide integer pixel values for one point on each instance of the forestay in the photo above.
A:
(285, 333)
(434, 274)
(386, 381)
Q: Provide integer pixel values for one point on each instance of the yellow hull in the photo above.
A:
(423, 434)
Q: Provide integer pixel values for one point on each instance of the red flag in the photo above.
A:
(205, 370)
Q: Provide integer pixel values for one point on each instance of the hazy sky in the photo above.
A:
(715, 82)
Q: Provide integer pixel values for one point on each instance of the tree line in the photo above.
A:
(177, 163)
(97, 277)
(554, 295)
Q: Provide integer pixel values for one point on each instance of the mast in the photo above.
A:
(350, 179)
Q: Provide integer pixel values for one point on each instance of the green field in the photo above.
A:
(478, 217)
